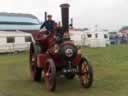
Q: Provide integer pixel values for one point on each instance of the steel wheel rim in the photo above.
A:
(32, 64)
(48, 76)
(84, 73)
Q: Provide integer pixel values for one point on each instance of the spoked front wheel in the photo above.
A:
(50, 75)
(86, 73)
(35, 72)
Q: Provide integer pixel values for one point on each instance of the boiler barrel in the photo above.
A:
(65, 16)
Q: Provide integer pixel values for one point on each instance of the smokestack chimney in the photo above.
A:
(65, 16)
(45, 16)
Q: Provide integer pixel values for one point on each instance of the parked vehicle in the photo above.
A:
(19, 21)
(90, 39)
(14, 41)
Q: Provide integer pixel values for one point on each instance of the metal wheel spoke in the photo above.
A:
(84, 68)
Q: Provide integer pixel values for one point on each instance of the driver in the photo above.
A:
(49, 24)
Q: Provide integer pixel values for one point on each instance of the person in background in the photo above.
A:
(49, 24)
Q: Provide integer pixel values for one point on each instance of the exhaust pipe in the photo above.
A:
(71, 25)
(45, 16)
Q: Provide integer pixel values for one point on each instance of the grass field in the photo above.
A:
(110, 75)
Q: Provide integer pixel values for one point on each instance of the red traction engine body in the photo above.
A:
(51, 57)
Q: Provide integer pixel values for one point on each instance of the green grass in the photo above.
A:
(110, 75)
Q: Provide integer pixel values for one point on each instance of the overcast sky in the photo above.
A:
(110, 14)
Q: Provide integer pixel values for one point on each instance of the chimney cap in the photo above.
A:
(65, 5)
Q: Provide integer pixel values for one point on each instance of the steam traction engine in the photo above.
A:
(52, 55)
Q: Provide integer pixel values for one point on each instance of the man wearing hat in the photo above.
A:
(49, 24)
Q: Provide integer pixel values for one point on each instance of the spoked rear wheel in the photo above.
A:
(86, 74)
(35, 71)
(50, 75)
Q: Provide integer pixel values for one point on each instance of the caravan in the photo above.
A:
(14, 41)
(90, 39)
(77, 37)
(97, 39)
